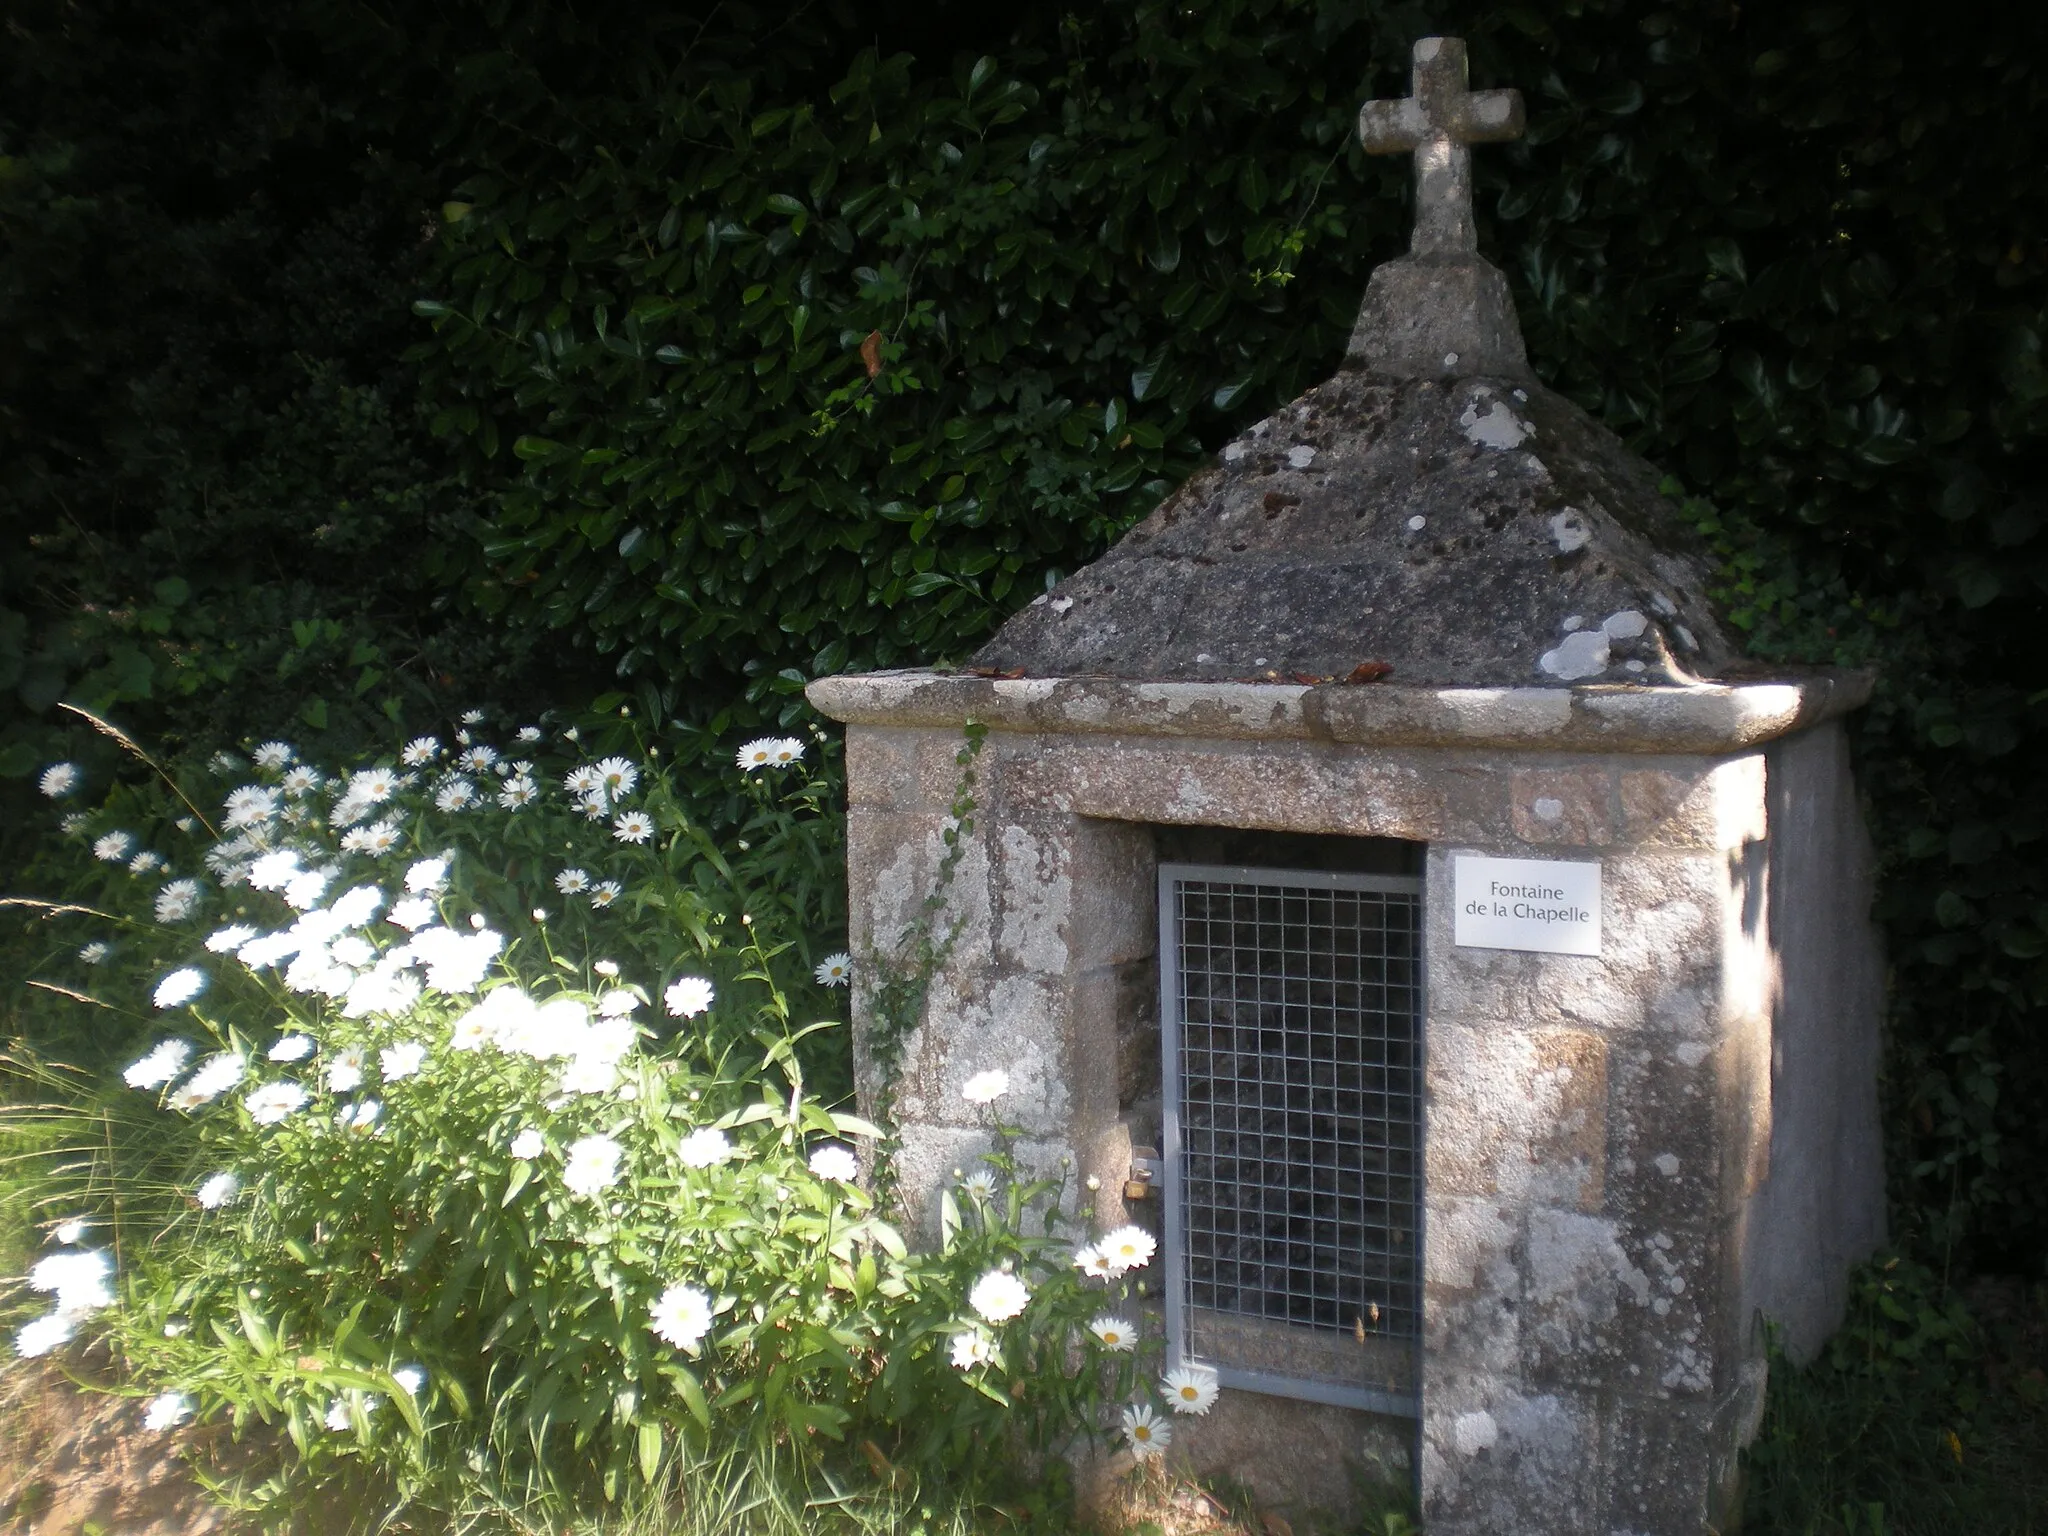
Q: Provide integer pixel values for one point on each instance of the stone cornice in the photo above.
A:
(1703, 718)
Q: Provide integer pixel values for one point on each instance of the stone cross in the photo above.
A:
(1437, 123)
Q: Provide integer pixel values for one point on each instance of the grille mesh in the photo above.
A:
(1295, 1077)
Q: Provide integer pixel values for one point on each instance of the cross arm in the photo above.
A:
(1490, 117)
(1392, 127)
(1484, 117)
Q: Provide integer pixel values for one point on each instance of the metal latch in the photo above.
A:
(1146, 1171)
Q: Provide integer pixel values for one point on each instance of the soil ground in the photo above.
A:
(75, 1462)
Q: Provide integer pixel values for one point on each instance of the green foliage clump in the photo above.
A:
(221, 510)
(1926, 1412)
(480, 1175)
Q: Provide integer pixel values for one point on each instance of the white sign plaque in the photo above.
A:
(1551, 906)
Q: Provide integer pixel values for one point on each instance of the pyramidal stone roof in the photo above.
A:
(1431, 515)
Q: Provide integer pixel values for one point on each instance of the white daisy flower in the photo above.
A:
(412, 914)
(178, 900)
(401, 1060)
(274, 1102)
(529, 733)
(266, 949)
(76, 822)
(179, 988)
(274, 871)
(352, 950)
(301, 780)
(380, 838)
(971, 1348)
(605, 892)
(503, 1015)
(1114, 1333)
(44, 1334)
(164, 1062)
(834, 970)
(384, 989)
(608, 1038)
(703, 1149)
(681, 1316)
(1128, 1248)
(981, 1184)
(687, 996)
(472, 1031)
(167, 1410)
(112, 846)
(1190, 1389)
(1147, 1434)
(618, 777)
(985, 1087)
(472, 717)
(571, 881)
(592, 1165)
(216, 1075)
(617, 1004)
(633, 827)
(95, 952)
(457, 794)
(355, 907)
(518, 794)
(1094, 1263)
(583, 781)
(372, 786)
(306, 888)
(225, 941)
(144, 862)
(337, 1417)
(292, 1048)
(250, 806)
(217, 1190)
(757, 754)
(411, 1377)
(223, 762)
(836, 1163)
(420, 751)
(785, 750)
(361, 1117)
(479, 759)
(588, 1074)
(315, 970)
(528, 1144)
(60, 779)
(82, 1281)
(426, 875)
(345, 1069)
(272, 754)
(70, 1231)
(998, 1296)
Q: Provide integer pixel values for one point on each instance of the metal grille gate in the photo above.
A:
(1291, 1031)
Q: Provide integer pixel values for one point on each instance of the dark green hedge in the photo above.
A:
(759, 346)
